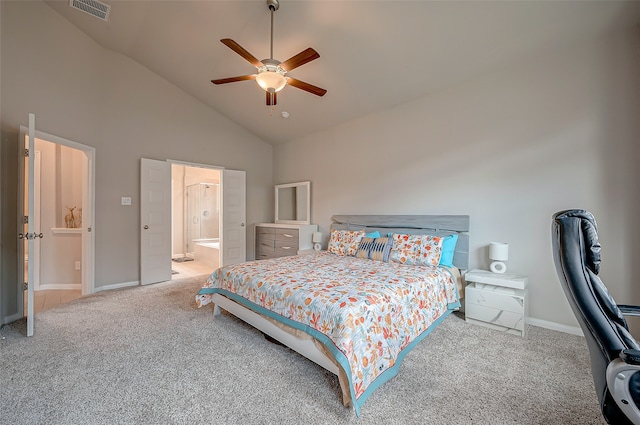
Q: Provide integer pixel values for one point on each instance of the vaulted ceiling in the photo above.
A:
(373, 54)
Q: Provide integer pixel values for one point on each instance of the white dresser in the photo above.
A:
(498, 301)
(280, 240)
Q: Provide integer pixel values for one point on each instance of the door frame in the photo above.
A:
(222, 226)
(88, 210)
(210, 167)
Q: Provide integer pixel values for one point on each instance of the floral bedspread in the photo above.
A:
(368, 313)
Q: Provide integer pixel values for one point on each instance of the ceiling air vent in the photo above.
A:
(92, 7)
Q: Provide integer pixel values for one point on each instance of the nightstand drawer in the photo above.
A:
(495, 297)
(495, 316)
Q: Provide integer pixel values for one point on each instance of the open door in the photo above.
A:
(234, 229)
(29, 232)
(29, 225)
(155, 221)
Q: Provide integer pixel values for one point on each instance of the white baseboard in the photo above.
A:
(12, 318)
(116, 286)
(50, 286)
(574, 330)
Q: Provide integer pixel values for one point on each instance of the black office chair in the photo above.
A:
(615, 354)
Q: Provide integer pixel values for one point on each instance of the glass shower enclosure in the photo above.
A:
(202, 215)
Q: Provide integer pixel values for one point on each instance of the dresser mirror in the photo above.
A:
(293, 203)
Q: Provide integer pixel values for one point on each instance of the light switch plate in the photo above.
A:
(126, 200)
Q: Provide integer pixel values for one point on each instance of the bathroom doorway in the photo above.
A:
(196, 220)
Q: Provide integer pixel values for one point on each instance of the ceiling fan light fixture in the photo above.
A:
(271, 80)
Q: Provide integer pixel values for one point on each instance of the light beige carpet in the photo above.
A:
(147, 355)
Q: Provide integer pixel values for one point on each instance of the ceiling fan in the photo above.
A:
(272, 74)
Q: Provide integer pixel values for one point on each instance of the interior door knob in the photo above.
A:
(146, 227)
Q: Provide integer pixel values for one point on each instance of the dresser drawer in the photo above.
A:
(263, 255)
(495, 316)
(265, 233)
(287, 244)
(281, 240)
(265, 244)
(285, 251)
(499, 298)
(286, 234)
(266, 230)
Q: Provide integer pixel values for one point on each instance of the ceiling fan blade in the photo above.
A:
(272, 98)
(306, 86)
(300, 59)
(241, 51)
(234, 79)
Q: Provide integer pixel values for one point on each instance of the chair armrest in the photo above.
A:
(630, 356)
(629, 310)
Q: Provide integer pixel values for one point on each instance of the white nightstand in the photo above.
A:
(497, 300)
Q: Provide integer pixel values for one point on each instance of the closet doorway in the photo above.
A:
(196, 220)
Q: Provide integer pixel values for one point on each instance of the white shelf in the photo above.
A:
(65, 230)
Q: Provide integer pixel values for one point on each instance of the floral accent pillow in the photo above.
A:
(419, 250)
(345, 242)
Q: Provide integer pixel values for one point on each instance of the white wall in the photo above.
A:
(509, 149)
(85, 93)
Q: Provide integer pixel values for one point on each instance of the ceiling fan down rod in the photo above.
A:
(273, 5)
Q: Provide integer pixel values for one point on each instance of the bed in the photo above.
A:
(358, 308)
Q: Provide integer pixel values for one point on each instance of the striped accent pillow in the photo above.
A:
(374, 249)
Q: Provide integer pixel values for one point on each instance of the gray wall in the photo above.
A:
(509, 149)
(85, 93)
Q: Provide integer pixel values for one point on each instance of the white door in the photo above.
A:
(234, 229)
(30, 229)
(34, 258)
(155, 221)
(31, 232)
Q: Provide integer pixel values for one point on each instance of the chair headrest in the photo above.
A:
(578, 239)
(590, 236)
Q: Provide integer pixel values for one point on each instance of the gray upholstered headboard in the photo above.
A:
(437, 225)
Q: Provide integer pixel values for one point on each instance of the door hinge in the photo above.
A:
(25, 219)
(26, 152)
(25, 285)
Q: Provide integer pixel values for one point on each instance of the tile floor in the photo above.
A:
(189, 269)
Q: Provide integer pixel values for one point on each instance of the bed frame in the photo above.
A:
(437, 225)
